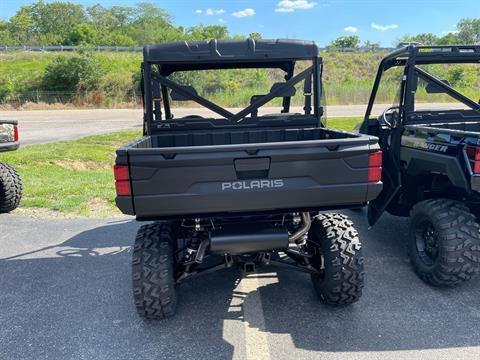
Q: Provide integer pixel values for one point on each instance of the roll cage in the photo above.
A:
(161, 61)
(410, 57)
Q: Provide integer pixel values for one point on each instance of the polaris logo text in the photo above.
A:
(253, 184)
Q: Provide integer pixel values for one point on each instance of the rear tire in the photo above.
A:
(444, 242)
(153, 263)
(335, 243)
(10, 188)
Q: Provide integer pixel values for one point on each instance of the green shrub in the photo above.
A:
(461, 76)
(115, 39)
(79, 72)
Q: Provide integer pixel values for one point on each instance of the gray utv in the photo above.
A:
(242, 187)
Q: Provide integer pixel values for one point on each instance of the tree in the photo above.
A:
(101, 18)
(115, 38)
(150, 24)
(5, 36)
(201, 32)
(20, 26)
(123, 15)
(82, 34)
(56, 19)
(448, 39)
(427, 39)
(469, 31)
(371, 46)
(345, 42)
(255, 36)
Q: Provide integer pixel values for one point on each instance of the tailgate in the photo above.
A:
(201, 180)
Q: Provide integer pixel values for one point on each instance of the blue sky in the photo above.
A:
(320, 20)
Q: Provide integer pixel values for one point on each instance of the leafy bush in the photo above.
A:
(79, 72)
(461, 76)
(7, 88)
(82, 34)
(115, 39)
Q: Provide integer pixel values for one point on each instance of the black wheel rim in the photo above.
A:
(426, 241)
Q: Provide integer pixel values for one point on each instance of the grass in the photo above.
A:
(72, 177)
(75, 178)
(348, 79)
(345, 123)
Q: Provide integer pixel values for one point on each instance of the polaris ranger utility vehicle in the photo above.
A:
(10, 182)
(242, 188)
(431, 157)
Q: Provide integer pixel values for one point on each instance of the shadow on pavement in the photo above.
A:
(397, 311)
(73, 300)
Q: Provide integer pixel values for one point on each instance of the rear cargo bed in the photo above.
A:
(226, 171)
(230, 137)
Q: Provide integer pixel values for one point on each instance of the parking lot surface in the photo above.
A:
(65, 293)
(44, 126)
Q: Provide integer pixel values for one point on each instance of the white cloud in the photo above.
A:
(281, 10)
(384, 27)
(221, 20)
(350, 29)
(292, 5)
(211, 11)
(198, 11)
(244, 13)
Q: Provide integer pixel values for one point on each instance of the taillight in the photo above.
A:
(122, 180)
(15, 133)
(375, 166)
(473, 154)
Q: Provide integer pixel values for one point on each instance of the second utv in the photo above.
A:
(430, 140)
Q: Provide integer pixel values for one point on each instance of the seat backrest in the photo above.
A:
(176, 96)
(289, 91)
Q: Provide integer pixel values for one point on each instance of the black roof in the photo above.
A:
(220, 51)
(436, 54)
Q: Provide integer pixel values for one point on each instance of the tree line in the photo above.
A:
(467, 32)
(66, 23)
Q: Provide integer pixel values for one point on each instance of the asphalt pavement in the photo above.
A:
(65, 293)
(44, 126)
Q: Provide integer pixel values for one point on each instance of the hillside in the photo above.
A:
(112, 79)
(348, 79)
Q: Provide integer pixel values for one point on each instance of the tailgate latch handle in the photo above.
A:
(252, 168)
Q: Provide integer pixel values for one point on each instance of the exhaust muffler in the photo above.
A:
(248, 239)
